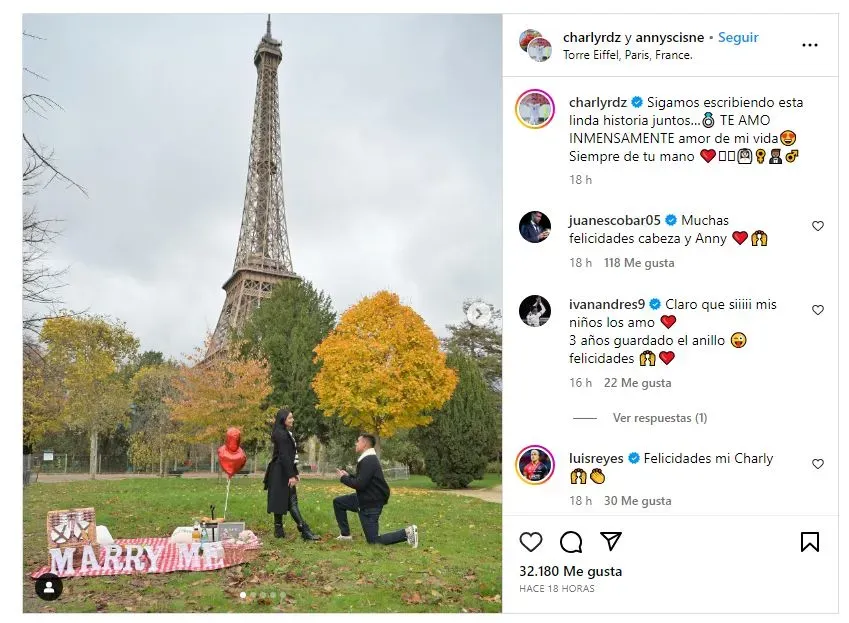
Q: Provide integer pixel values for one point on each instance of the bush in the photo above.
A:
(340, 453)
(401, 449)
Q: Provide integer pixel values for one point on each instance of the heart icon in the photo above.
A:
(740, 236)
(530, 540)
(817, 309)
(817, 463)
(818, 225)
(668, 321)
(708, 154)
(666, 356)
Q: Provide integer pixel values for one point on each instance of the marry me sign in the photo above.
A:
(149, 556)
(145, 555)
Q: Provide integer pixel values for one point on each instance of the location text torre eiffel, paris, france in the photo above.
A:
(262, 256)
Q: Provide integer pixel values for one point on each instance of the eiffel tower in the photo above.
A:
(263, 258)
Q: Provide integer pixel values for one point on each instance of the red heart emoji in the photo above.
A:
(666, 356)
(740, 236)
(668, 321)
(708, 154)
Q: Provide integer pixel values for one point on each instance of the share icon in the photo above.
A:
(612, 538)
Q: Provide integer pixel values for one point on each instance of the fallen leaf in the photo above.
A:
(415, 598)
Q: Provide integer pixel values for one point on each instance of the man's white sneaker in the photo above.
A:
(342, 537)
(412, 535)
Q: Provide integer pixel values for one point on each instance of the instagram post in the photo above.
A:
(262, 313)
(500, 311)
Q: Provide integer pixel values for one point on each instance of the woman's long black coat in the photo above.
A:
(280, 470)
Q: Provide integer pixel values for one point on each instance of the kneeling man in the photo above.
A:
(372, 494)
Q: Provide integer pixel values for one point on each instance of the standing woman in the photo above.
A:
(281, 477)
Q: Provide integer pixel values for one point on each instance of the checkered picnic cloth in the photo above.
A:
(169, 559)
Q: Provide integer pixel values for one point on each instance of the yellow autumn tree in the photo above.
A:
(42, 396)
(381, 368)
(224, 391)
(89, 353)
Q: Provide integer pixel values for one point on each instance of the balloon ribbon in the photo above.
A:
(226, 500)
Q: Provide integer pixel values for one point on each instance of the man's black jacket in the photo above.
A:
(369, 483)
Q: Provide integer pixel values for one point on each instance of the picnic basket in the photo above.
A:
(73, 528)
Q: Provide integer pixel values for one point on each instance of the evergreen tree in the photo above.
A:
(483, 345)
(458, 442)
(284, 330)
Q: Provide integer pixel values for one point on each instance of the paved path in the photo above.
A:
(493, 494)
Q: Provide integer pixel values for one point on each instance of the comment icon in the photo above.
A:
(571, 542)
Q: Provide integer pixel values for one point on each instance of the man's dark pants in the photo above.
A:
(369, 519)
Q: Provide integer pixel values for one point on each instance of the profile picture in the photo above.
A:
(535, 311)
(535, 227)
(534, 109)
(535, 465)
(526, 37)
(539, 49)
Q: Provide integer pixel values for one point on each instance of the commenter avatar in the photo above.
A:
(535, 465)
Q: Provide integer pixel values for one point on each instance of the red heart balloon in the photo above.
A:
(231, 457)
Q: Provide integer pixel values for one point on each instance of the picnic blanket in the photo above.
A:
(170, 559)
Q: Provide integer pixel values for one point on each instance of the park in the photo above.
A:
(433, 405)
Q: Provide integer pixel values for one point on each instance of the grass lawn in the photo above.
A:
(423, 482)
(457, 566)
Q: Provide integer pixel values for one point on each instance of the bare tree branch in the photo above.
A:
(32, 73)
(40, 283)
(38, 104)
(45, 161)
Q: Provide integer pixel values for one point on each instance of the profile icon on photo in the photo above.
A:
(526, 37)
(535, 227)
(535, 311)
(539, 49)
(535, 109)
(535, 465)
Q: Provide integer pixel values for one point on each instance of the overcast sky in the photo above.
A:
(391, 134)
